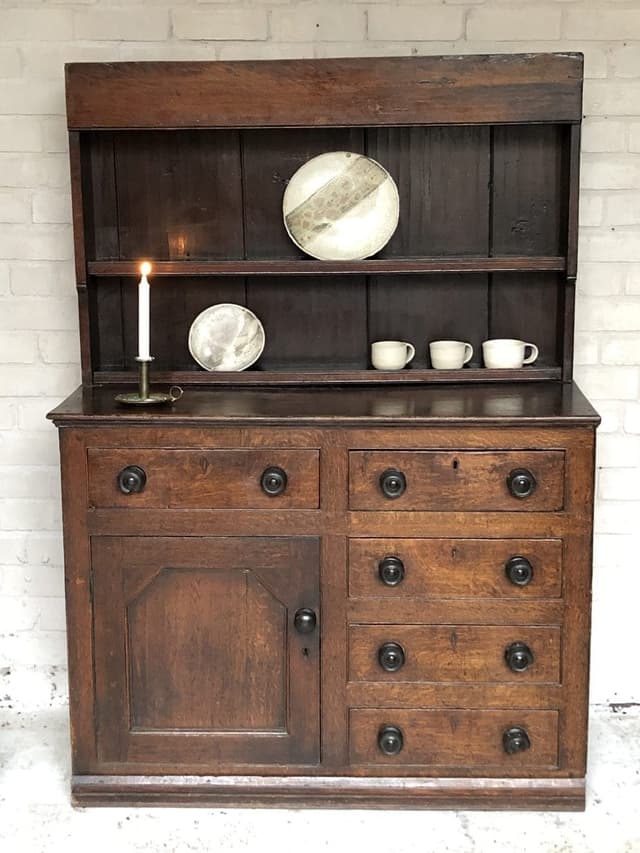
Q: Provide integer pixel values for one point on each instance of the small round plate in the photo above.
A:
(226, 337)
(341, 206)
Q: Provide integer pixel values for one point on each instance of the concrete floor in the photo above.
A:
(35, 814)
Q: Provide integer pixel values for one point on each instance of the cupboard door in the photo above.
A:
(198, 663)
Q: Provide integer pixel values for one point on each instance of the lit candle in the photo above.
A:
(143, 312)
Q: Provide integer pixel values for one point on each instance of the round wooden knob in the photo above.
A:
(273, 481)
(391, 657)
(515, 740)
(393, 483)
(521, 483)
(519, 570)
(305, 620)
(391, 571)
(132, 479)
(518, 656)
(390, 740)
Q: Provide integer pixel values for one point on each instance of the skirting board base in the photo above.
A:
(330, 792)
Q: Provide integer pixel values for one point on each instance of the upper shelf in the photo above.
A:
(380, 266)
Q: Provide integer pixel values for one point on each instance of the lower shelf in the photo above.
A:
(331, 792)
(334, 377)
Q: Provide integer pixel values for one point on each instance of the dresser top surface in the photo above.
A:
(518, 404)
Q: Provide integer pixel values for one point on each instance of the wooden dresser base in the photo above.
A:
(330, 792)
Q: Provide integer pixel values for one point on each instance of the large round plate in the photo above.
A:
(226, 337)
(341, 206)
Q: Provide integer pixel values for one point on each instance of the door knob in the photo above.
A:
(305, 620)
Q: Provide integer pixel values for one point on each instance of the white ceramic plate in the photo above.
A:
(341, 206)
(226, 337)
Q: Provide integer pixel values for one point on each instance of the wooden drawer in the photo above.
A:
(455, 738)
(456, 568)
(453, 481)
(460, 653)
(204, 479)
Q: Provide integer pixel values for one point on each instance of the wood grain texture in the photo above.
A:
(464, 480)
(455, 738)
(446, 653)
(308, 266)
(224, 479)
(189, 681)
(525, 407)
(337, 792)
(299, 93)
(446, 568)
(196, 657)
(442, 175)
(179, 194)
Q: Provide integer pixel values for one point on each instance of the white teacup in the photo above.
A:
(506, 352)
(449, 355)
(391, 355)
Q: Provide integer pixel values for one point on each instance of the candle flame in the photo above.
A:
(145, 268)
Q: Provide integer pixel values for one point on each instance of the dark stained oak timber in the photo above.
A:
(455, 568)
(339, 375)
(254, 616)
(315, 93)
(339, 792)
(454, 738)
(514, 405)
(375, 266)
(453, 653)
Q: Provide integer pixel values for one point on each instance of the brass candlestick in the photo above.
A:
(144, 396)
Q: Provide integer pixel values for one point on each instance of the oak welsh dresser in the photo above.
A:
(313, 583)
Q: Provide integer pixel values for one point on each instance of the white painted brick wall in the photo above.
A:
(38, 317)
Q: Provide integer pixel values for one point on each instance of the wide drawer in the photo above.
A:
(455, 568)
(521, 654)
(441, 480)
(204, 479)
(455, 738)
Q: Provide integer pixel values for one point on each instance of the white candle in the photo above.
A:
(143, 312)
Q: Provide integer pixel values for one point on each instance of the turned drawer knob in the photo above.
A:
(519, 570)
(521, 483)
(390, 740)
(518, 656)
(391, 657)
(273, 481)
(515, 740)
(132, 479)
(393, 483)
(304, 620)
(391, 571)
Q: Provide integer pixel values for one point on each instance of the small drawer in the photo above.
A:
(511, 740)
(455, 568)
(204, 479)
(520, 654)
(443, 481)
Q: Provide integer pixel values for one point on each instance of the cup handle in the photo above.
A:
(411, 352)
(468, 353)
(534, 354)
